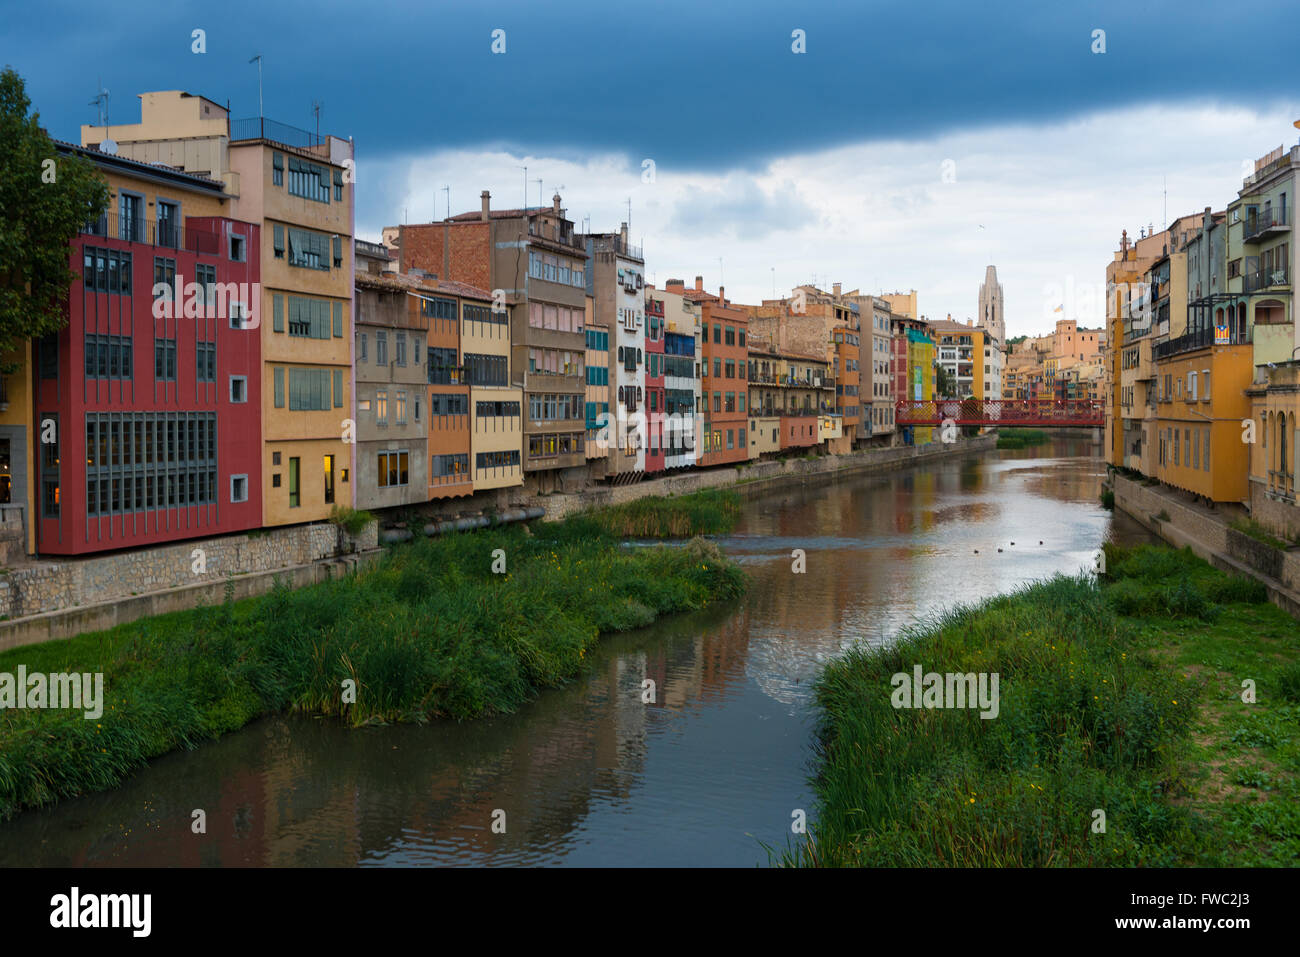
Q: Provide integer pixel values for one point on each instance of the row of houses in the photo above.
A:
(1203, 383)
(235, 358)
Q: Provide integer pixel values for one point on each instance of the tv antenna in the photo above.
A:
(447, 190)
(316, 106)
(257, 58)
(101, 101)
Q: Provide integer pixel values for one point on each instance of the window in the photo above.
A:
(327, 468)
(400, 350)
(392, 469)
(164, 276)
(442, 366)
(400, 404)
(1205, 384)
(441, 403)
(308, 180)
(362, 357)
(138, 461)
(438, 308)
(277, 169)
(309, 318)
(238, 389)
(168, 224)
(488, 369)
(108, 357)
(381, 349)
(381, 407)
(294, 497)
(205, 274)
(497, 460)
(164, 360)
(239, 488)
(50, 466)
(308, 250)
(309, 390)
(205, 361)
(452, 466)
(236, 248)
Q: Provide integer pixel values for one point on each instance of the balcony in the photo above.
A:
(1200, 339)
(1265, 224)
(1259, 279)
(161, 234)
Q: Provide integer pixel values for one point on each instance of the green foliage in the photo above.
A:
(1020, 438)
(350, 519)
(1093, 714)
(708, 512)
(38, 218)
(1107, 498)
(429, 632)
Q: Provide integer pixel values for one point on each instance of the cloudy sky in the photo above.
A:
(910, 146)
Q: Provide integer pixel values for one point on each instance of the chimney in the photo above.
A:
(970, 322)
(555, 204)
(699, 284)
(486, 197)
(622, 232)
(836, 287)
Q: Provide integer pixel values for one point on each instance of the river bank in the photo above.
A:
(456, 627)
(1121, 736)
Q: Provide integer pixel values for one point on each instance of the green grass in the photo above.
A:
(431, 632)
(1122, 695)
(1020, 438)
(1248, 526)
(708, 512)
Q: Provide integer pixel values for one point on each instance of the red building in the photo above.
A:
(148, 410)
(655, 397)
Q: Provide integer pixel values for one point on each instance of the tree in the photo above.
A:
(45, 200)
(944, 386)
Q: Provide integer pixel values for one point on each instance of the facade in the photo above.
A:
(682, 401)
(960, 353)
(533, 259)
(597, 394)
(655, 390)
(145, 406)
(616, 282)
(919, 386)
(724, 358)
(297, 186)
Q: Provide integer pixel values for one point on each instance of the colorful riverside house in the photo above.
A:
(534, 260)
(616, 283)
(681, 368)
(724, 359)
(145, 410)
(597, 396)
(655, 398)
(297, 186)
(919, 386)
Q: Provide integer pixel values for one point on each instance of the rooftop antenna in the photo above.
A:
(316, 108)
(257, 58)
(538, 181)
(1165, 211)
(447, 190)
(525, 169)
(101, 101)
(629, 214)
(773, 282)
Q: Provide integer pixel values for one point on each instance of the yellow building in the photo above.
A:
(960, 352)
(1275, 412)
(298, 186)
(17, 452)
(920, 378)
(1201, 403)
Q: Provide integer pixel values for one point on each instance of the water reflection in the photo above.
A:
(589, 774)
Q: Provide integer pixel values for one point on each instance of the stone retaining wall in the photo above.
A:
(1211, 537)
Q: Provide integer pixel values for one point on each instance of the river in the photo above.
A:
(708, 774)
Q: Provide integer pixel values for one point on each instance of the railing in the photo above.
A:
(1199, 339)
(1259, 278)
(616, 244)
(163, 235)
(1263, 221)
(1082, 413)
(260, 128)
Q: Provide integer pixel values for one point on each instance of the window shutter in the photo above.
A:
(278, 237)
(338, 319)
(277, 160)
(338, 389)
(338, 177)
(278, 376)
(277, 321)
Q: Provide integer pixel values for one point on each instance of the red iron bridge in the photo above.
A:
(1058, 413)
